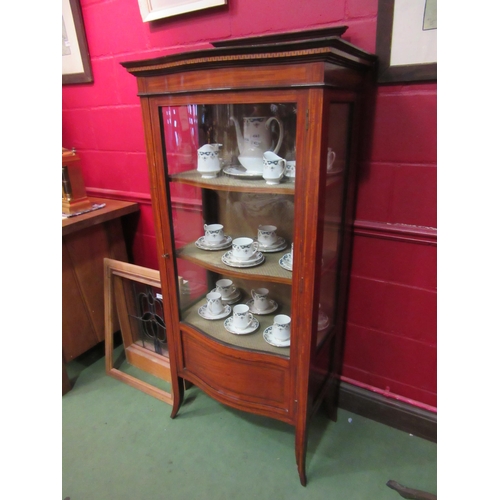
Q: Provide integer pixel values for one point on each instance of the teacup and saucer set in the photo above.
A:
(261, 303)
(214, 308)
(330, 169)
(242, 322)
(229, 293)
(214, 238)
(278, 334)
(268, 239)
(290, 170)
(244, 253)
(286, 262)
(323, 321)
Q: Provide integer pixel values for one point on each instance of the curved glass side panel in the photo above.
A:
(336, 165)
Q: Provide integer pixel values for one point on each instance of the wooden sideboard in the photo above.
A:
(86, 240)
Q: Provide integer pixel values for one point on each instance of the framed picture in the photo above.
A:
(75, 53)
(407, 40)
(158, 9)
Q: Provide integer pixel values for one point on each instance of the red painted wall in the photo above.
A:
(391, 331)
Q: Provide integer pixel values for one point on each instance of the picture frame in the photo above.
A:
(151, 10)
(128, 287)
(406, 40)
(76, 66)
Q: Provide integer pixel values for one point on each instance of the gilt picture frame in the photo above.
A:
(76, 67)
(407, 40)
(152, 10)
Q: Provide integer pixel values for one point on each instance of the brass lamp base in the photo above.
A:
(74, 196)
(75, 206)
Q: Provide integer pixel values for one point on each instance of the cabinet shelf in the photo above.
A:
(251, 342)
(269, 270)
(228, 183)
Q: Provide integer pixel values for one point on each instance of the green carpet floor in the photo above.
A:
(119, 443)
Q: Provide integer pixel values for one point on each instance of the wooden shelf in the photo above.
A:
(228, 183)
(269, 270)
(251, 342)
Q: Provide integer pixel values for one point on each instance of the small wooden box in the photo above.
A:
(74, 195)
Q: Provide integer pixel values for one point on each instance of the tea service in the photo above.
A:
(290, 170)
(330, 160)
(214, 308)
(268, 239)
(242, 321)
(260, 302)
(229, 293)
(286, 262)
(209, 163)
(214, 238)
(244, 253)
(278, 334)
(274, 168)
(323, 321)
(255, 139)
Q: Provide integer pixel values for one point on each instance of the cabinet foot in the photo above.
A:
(303, 478)
(300, 452)
(178, 395)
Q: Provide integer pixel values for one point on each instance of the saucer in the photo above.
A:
(225, 243)
(231, 299)
(203, 312)
(268, 337)
(242, 172)
(228, 325)
(229, 260)
(286, 262)
(269, 310)
(335, 171)
(275, 247)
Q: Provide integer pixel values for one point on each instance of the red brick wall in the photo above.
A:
(391, 333)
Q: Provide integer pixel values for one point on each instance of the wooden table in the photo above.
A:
(86, 240)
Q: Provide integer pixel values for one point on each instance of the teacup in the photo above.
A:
(266, 235)
(244, 248)
(260, 299)
(281, 327)
(290, 169)
(274, 168)
(242, 317)
(225, 287)
(330, 159)
(214, 234)
(214, 303)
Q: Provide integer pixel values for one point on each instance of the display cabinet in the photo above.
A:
(252, 150)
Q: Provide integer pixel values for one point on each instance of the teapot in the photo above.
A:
(256, 137)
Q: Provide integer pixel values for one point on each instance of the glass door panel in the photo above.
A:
(232, 215)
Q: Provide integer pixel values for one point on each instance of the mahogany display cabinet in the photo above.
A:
(300, 99)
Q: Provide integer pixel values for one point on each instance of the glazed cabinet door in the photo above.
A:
(229, 169)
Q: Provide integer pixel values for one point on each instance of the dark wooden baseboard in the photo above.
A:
(388, 411)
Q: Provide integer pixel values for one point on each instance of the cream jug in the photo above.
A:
(208, 160)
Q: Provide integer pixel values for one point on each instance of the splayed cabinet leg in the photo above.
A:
(300, 453)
